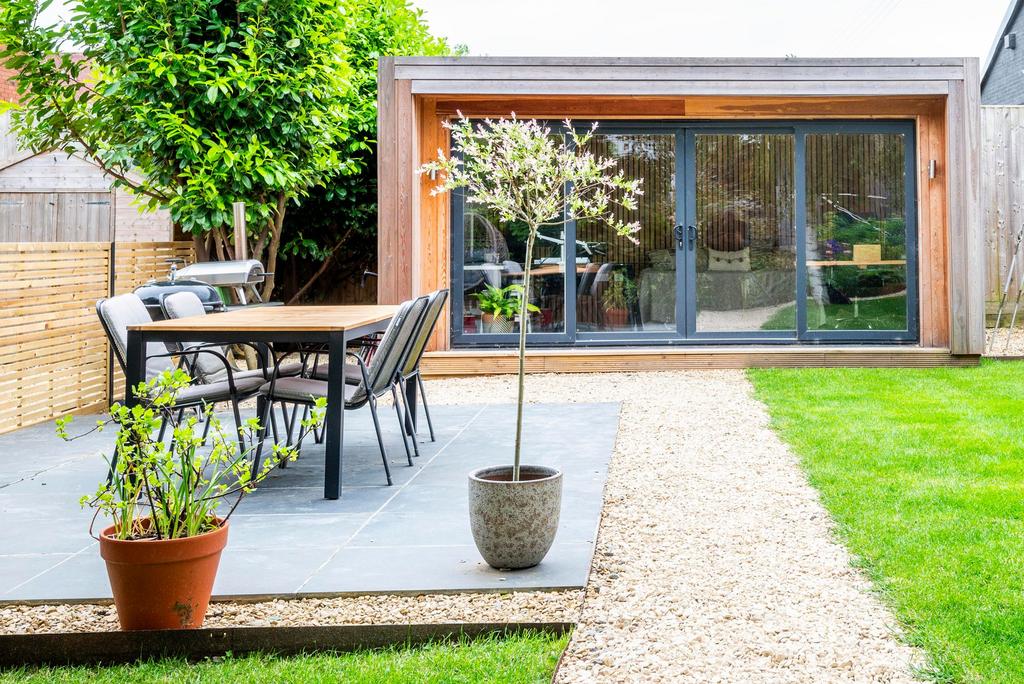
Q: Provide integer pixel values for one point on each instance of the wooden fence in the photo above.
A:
(1002, 194)
(53, 352)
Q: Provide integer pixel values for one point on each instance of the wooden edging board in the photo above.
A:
(87, 648)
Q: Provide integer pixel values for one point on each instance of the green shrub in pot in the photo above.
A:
(524, 172)
(164, 499)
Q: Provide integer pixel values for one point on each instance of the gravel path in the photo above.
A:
(554, 606)
(1007, 342)
(715, 559)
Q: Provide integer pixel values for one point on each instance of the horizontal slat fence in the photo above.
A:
(53, 353)
(1002, 195)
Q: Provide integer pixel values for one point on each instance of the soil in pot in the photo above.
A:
(514, 522)
(162, 583)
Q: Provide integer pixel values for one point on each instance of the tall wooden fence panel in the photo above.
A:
(53, 353)
(52, 349)
(1002, 195)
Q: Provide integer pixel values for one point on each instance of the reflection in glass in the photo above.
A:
(856, 232)
(493, 266)
(746, 238)
(622, 286)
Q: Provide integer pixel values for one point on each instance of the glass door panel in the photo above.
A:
(492, 266)
(622, 286)
(856, 231)
(745, 247)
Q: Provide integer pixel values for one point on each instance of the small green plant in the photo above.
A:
(171, 490)
(503, 302)
(620, 293)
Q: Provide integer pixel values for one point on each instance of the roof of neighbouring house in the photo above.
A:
(1011, 15)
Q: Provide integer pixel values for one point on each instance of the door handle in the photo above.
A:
(691, 235)
(680, 235)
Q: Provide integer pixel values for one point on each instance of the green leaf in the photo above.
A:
(292, 44)
(211, 93)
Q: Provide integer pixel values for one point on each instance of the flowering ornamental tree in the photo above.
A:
(523, 171)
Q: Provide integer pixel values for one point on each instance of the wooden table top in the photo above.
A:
(278, 318)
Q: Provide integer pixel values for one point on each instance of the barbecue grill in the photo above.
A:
(242, 276)
(203, 279)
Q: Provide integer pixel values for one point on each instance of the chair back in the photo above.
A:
(116, 314)
(394, 346)
(186, 305)
(435, 303)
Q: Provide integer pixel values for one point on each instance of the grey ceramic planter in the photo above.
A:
(514, 523)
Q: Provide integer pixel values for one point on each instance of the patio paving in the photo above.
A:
(286, 540)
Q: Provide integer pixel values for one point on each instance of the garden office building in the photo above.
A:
(795, 212)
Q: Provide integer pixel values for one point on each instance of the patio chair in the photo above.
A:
(410, 371)
(117, 313)
(377, 378)
(209, 369)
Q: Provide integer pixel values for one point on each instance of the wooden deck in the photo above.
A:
(464, 362)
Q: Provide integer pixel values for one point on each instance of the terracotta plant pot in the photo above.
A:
(616, 318)
(162, 584)
(514, 523)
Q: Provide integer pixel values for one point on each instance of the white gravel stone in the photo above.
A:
(553, 606)
(715, 561)
(1008, 342)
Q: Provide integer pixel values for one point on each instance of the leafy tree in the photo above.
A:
(193, 104)
(521, 172)
(337, 224)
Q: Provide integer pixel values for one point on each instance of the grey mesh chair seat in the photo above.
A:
(304, 390)
(284, 370)
(218, 391)
(353, 376)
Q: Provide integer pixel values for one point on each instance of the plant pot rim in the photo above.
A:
(480, 474)
(107, 538)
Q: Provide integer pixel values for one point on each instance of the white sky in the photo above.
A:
(719, 28)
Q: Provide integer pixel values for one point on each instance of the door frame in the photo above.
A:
(685, 200)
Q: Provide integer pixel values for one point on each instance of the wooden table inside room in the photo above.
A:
(334, 326)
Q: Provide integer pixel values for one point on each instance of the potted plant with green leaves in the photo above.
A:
(524, 172)
(163, 500)
(617, 299)
(500, 306)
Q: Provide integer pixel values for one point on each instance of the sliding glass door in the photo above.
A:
(796, 232)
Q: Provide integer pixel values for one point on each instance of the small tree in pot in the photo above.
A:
(524, 172)
(164, 544)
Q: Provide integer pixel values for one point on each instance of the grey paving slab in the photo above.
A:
(286, 539)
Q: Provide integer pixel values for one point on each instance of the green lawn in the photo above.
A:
(923, 470)
(521, 658)
(888, 313)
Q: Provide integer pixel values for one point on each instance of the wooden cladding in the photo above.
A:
(52, 348)
(1002, 196)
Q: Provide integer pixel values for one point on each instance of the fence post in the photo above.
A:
(241, 239)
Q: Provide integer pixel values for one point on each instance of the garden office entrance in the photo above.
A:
(779, 232)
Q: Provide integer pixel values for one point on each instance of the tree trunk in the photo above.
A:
(524, 313)
(323, 268)
(276, 226)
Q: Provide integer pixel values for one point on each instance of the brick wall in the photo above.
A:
(7, 90)
(1005, 82)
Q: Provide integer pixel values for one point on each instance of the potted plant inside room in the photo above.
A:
(617, 299)
(163, 500)
(524, 171)
(500, 306)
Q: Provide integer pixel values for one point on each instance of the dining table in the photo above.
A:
(333, 327)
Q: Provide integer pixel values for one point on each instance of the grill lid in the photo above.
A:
(239, 272)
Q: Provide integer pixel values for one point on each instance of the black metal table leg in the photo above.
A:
(135, 363)
(334, 424)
